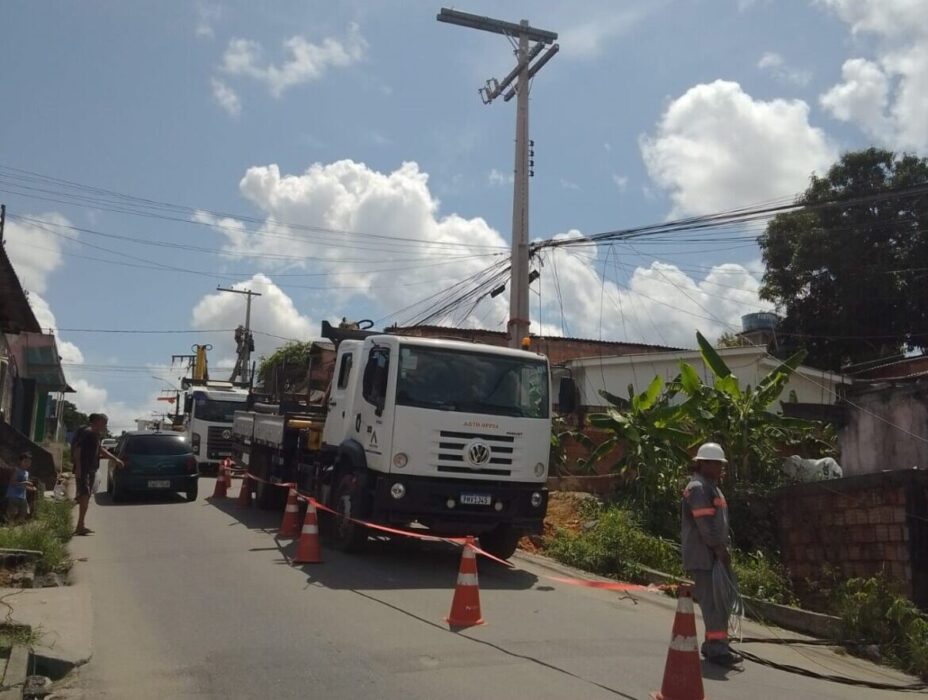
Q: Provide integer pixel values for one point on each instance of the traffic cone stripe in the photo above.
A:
(467, 579)
(680, 643)
(291, 509)
(685, 606)
(310, 529)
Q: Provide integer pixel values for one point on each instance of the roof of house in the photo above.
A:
(16, 315)
(907, 368)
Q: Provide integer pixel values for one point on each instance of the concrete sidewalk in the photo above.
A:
(62, 617)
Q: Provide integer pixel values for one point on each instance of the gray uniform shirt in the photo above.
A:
(705, 523)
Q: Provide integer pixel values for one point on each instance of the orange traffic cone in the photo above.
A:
(465, 607)
(682, 672)
(221, 489)
(307, 549)
(244, 493)
(290, 525)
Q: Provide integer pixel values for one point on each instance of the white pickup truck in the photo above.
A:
(449, 435)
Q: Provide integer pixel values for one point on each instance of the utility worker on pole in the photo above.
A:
(705, 541)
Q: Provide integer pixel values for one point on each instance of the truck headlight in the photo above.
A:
(537, 499)
(195, 442)
(400, 460)
(540, 470)
(397, 490)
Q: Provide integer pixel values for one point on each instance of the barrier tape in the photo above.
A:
(612, 585)
(457, 541)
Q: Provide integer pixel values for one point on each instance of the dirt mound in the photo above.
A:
(565, 511)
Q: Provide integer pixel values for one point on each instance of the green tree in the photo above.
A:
(290, 363)
(71, 417)
(850, 279)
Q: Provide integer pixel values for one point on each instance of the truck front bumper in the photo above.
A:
(439, 504)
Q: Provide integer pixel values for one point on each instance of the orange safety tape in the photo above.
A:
(284, 484)
(703, 512)
(611, 585)
(720, 502)
(458, 541)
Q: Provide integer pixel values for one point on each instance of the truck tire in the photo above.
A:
(501, 541)
(347, 536)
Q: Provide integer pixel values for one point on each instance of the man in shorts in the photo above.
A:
(86, 453)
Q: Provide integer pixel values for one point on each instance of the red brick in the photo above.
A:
(899, 515)
(854, 552)
(875, 516)
(882, 533)
(905, 534)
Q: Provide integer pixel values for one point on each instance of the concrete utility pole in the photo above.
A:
(243, 337)
(2, 221)
(523, 72)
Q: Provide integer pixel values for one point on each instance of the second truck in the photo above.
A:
(442, 434)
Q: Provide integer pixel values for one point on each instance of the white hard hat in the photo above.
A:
(711, 452)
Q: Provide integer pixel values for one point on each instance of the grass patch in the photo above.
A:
(618, 545)
(873, 611)
(48, 532)
(12, 634)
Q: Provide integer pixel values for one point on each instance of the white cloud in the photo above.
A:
(206, 15)
(273, 313)
(591, 36)
(716, 147)
(659, 304)
(34, 250)
(620, 182)
(226, 97)
(569, 184)
(348, 196)
(306, 62)
(775, 64)
(886, 96)
(498, 178)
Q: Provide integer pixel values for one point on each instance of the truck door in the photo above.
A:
(339, 419)
(374, 412)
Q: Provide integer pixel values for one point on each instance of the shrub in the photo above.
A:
(872, 611)
(761, 576)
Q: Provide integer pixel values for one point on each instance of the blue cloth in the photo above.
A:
(14, 490)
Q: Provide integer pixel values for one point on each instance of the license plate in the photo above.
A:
(166, 484)
(476, 499)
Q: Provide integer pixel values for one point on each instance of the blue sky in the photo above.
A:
(651, 109)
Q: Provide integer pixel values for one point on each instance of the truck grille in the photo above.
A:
(216, 444)
(452, 453)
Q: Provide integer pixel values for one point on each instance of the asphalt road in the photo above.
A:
(198, 600)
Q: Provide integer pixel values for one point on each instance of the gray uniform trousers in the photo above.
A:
(714, 616)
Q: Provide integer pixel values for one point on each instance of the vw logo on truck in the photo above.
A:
(478, 453)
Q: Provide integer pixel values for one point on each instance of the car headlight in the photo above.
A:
(400, 460)
(537, 499)
(397, 490)
(540, 470)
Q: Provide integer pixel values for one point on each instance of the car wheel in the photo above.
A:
(501, 541)
(348, 536)
(192, 492)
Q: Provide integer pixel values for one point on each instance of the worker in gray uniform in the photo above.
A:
(705, 541)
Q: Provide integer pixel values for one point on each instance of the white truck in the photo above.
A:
(449, 435)
(209, 409)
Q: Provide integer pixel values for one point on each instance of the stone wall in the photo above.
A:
(859, 527)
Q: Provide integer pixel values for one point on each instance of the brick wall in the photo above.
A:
(858, 526)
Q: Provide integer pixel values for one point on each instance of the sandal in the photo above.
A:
(83, 531)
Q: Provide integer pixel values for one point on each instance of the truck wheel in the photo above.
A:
(192, 492)
(348, 536)
(501, 541)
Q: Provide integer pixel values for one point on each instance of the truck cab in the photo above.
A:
(451, 435)
(210, 411)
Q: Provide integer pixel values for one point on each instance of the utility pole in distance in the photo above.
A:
(243, 337)
(523, 72)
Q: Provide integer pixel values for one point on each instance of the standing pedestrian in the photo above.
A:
(17, 508)
(86, 453)
(705, 540)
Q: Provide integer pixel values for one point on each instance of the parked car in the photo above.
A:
(154, 462)
(109, 443)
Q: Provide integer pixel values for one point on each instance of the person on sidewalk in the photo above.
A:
(705, 541)
(17, 507)
(86, 453)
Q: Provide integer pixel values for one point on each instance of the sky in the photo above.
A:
(336, 157)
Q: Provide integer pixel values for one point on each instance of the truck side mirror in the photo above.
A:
(567, 395)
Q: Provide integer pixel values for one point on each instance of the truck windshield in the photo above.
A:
(217, 411)
(473, 382)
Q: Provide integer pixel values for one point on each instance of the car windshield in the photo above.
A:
(451, 380)
(217, 411)
(168, 445)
